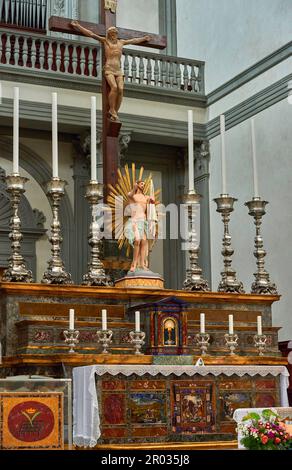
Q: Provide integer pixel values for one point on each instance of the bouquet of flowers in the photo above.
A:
(264, 432)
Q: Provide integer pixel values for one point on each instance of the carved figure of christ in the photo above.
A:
(113, 48)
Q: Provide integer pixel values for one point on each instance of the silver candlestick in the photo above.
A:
(71, 338)
(96, 274)
(231, 342)
(56, 273)
(262, 283)
(203, 340)
(260, 342)
(229, 282)
(194, 280)
(105, 338)
(137, 339)
(16, 271)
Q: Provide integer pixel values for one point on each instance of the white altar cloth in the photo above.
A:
(86, 427)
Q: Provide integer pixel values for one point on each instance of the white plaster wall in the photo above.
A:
(274, 143)
(78, 99)
(231, 35)
(139, 15)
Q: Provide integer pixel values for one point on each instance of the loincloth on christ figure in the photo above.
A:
(108, 70)
(136, 230)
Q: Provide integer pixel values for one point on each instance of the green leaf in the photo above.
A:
(253, 416)
(267, 414)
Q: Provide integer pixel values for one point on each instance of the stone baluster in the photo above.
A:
(66, 58)
(16, 50)
(74, 60)
(50, 55)
(42, 55)
(82, 61)
(134, 69)
(9, 54)
(141, 70)
(90, 63)
(149, 71)
(171, 74)
(193, 79)
(156, 72)
(163, 73)
(58, 57)
(186, 77)
(178, 76)
(126, 67)
(33, 53)
(23, 52)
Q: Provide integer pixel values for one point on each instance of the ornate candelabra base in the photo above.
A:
(56, 273)
(262, 284)
(105, 338)
(194, 280)
(71, 338)
(260, 342)
(203, 340)
(231, 342)
(229, 282)
(16, 271)
(96, 274)
(137, 339)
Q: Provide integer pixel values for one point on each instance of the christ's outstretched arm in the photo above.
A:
(87, 32)
(136, 40)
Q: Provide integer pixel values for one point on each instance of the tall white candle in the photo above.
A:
(55, 135)
(16, 131)
(191, 149)
(93, 138)
(231, 330)
(71, 319)
(254, 160)
(202, 323)
(104, 320)
(223, 154)
(260, 329)
(137, 321)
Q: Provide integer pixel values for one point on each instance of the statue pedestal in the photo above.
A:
(141, 279)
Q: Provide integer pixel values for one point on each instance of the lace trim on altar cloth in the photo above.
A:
(240, 371)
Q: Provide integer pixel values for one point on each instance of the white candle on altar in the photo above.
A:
(202, 323)
(93, 138)
(191, 149)
(254, 160)
(260, 329)
(104, 320)
(231, 330)
(137, 321)
(223, 153)
(55, 135)
(16, 131)
(71, 319)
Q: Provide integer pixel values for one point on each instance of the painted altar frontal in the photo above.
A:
(135, 400)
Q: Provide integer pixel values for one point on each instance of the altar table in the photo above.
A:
(87, 411)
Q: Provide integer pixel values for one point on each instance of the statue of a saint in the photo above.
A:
(113, 48)
(138, 227)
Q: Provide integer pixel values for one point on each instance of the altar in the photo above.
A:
(163, 403)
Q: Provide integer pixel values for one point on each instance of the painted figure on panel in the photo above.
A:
(113, 48)
(192, 408)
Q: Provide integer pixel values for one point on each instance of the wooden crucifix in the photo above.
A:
(113, 40)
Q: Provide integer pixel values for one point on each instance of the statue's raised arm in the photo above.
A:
(86, 32)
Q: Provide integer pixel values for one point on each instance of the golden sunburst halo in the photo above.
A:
(118, 200)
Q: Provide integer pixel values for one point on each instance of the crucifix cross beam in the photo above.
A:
(63, 25)
(112, 82)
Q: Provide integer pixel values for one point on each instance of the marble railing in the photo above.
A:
(56, 56)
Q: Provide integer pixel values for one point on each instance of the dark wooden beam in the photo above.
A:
(63, 25)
